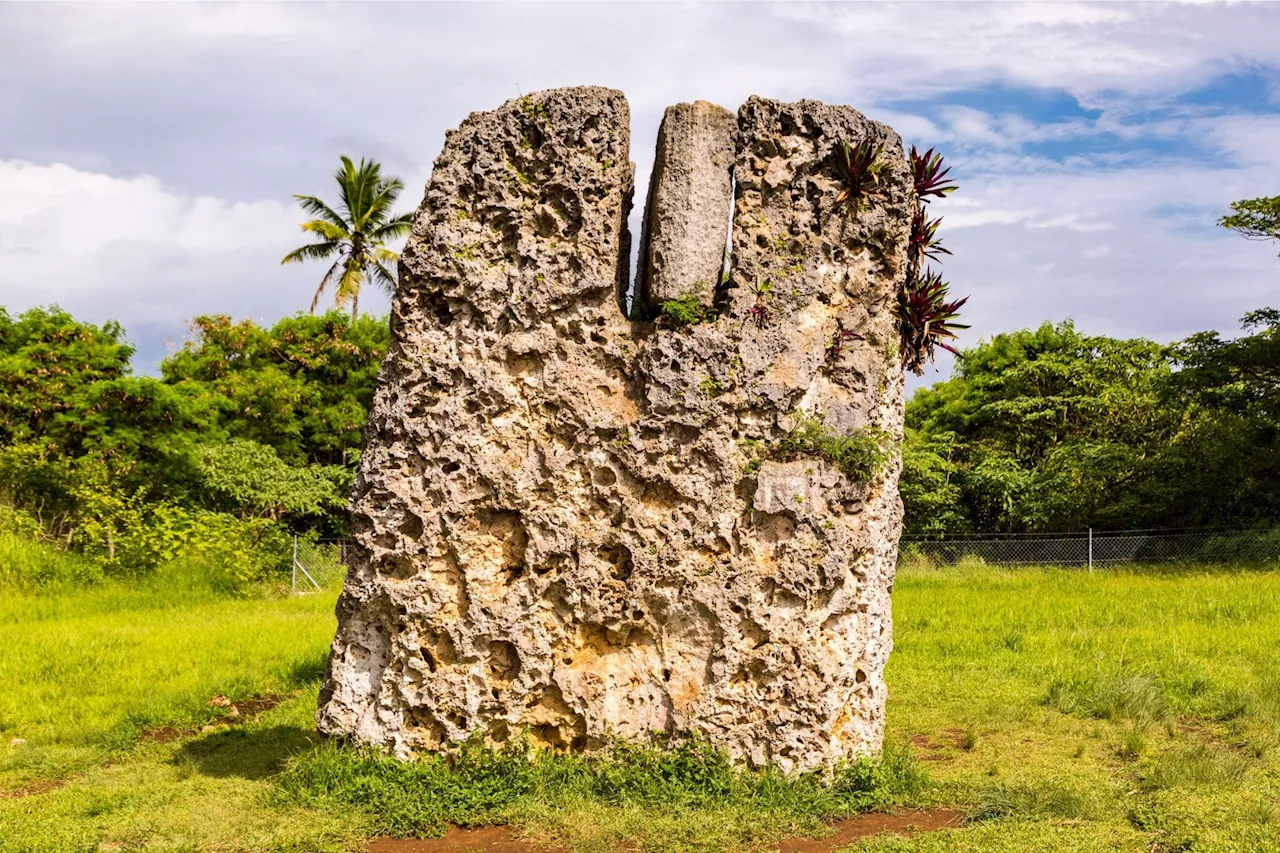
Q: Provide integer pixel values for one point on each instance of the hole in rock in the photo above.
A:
(411, 527)
(450, 467)
(619, 557)
(439, 306)
(504, 661)
(395, 566)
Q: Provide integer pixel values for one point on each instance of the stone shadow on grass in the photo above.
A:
(247, 753)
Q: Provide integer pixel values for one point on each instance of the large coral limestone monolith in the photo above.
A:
(584, 527)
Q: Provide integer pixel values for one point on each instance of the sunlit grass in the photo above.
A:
(90, 669)
(1127, 710)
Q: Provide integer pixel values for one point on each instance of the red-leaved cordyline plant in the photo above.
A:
(926, 317)
(859, 169)
(924, 241)
(926, 320)
(930, 177)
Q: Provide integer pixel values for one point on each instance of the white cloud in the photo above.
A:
(62, 230)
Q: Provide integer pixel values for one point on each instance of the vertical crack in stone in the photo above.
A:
(567, 522)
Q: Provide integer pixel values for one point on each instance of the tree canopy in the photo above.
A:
(1050, 429)
(252, 422)
(1255, 218)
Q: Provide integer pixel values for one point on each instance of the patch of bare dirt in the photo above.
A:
(42, 787)
(1198, 731)
(235, 713)
(928, 750)
(500, 839)
(485, 839)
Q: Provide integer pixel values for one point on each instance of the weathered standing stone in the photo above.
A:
(573, 524)
(686, 221)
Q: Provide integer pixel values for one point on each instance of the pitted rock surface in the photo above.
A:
(572, 524)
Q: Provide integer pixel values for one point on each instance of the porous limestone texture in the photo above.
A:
(686, 221)
(580, 526)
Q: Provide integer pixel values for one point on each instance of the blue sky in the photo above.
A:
(148, 152)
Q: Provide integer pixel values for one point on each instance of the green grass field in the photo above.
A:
(1131, 710)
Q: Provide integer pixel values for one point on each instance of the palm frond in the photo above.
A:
(384, 278)
(313, 252)
(382, 199)
(394, 229)
(326, 229)
(316, 207)
(349, 282)
(324, 282)
(346, 178)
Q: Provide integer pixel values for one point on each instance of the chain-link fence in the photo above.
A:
(322, 563)
(318, 563)
(1093, 547)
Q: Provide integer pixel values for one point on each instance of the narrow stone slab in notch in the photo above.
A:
(686, 222)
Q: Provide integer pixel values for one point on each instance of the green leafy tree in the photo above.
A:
(252, 480)
(302, 387)
(930, 484)
(66, 386)
(1046, 429)
(1226, 454)
(356, 234)
(1255, 218)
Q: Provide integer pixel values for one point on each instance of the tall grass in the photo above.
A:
(29, 564)
(1125, 644)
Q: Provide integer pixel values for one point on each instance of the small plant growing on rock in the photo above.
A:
(710, 388)
(686, 310)
(860, 454)
(859, 168)
(926, 319)
(841, 337)
(924, 242)
(929, 176)
(759, 312)
(926, 313)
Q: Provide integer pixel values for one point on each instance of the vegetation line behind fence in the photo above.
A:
(1087, 548)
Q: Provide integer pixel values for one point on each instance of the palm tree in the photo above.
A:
(357, 235)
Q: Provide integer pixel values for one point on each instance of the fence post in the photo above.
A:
(293, 577)
(1090, 550)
